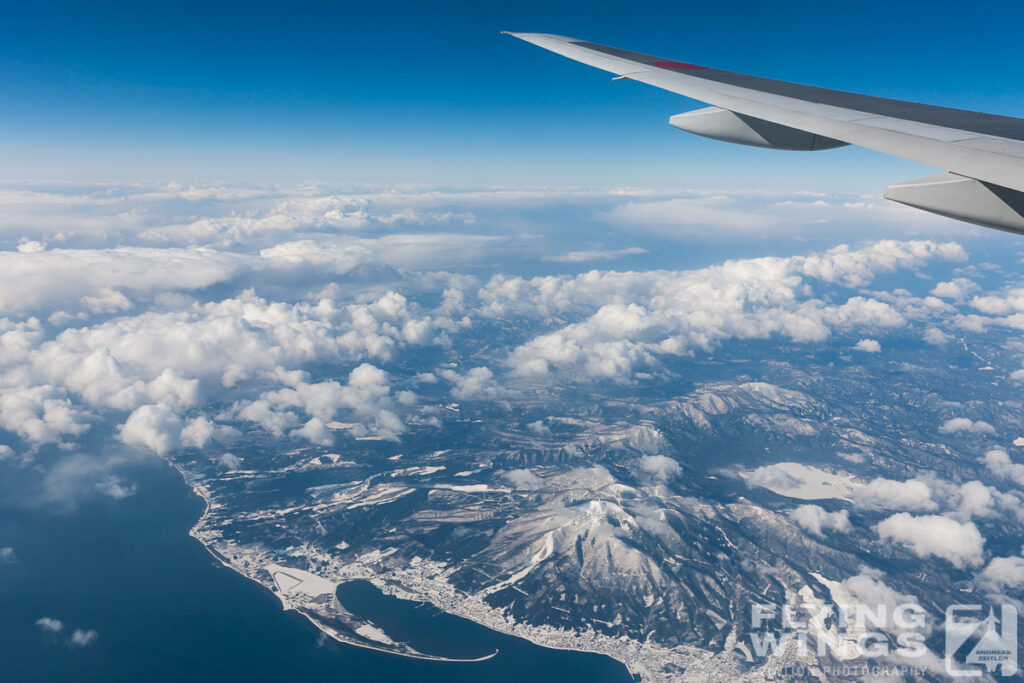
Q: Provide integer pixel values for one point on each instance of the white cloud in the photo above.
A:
(749, 215)
(367, 398)
(680, 217)
(860, 312)
(539, 428)
(39, 413)
(856, 268)
(31, 247)
(50, 625)
(596, 255)
(115, 487)
(974, 499)
(229, 461)
(524, 479)
(626, 320)
(7, 555)
(936, 337)
(817, 520)
(476, 383)
(81, 476)
(868, 588)
(155, 427)
(999, 463)
(201, 430)
(661, 467)
(316, 431)
(964, 424)
(1007, 302)
(889, 494)
(99, 279)
(960, 543)
(83, 637)
(868, 345)
(1003, 573)
(957, 289)
(340, 255)
(270, 420)
(774, 478)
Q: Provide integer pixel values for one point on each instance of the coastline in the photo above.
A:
(202, 493)
(642, 661)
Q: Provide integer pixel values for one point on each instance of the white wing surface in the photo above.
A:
(983, 154)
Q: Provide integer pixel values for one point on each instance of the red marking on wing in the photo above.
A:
(669, 64)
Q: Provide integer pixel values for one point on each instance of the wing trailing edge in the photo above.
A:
(965, 199)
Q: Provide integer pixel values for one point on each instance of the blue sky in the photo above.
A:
(431, 93)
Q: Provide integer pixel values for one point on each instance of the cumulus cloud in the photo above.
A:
(868, 345)
(964, 424)
(114, 487)
(31, 247)
(539, 428)
(1005, 303)
(40, 413)
(50, 625)
(165, 357)
(367, 397)
(661, 467)
(155, 427)
(1003, 573)
(524, 479)
(83, 637)
(315, 431)
(817, 520)
(341, 255)
(959, 543)
(774, 478)
(857, 267)
(476, 383)
(868, 588)
(229, 461)
(957, 289)
(201, 430)
(7, 555)
(974, 499)
(888, 494)
(628, 320)
(936, 337)
(80, 477)
(999, 463)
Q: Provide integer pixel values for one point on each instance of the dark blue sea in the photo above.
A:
(165, 611)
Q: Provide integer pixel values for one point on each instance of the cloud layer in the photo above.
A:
(192, 321)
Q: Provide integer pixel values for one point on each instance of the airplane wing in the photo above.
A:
(983, 154)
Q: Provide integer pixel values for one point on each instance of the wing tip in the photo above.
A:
(534, 37)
